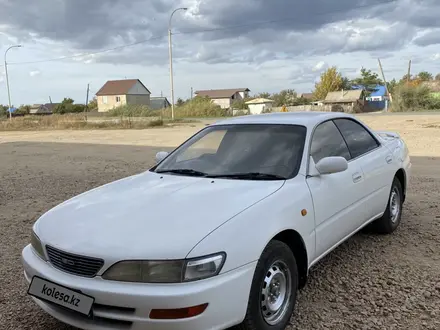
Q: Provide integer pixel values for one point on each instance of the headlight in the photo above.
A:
(36, 244)
(172, 271)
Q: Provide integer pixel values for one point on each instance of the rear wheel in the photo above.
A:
(274, 289)
(393, 213)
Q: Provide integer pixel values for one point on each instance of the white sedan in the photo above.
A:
(223, 230)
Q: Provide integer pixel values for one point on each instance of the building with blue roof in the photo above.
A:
(379, 94)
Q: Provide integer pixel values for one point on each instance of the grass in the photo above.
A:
(75, 121)
(196, 108)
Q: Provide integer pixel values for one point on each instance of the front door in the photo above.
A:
(375, 160)
(337, 198)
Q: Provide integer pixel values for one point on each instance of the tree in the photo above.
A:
(285, 97)
(240, 104)
(405, 78)
(437, 77)
(24, 109)
(180, 102)
(413, 81)
(425, 76)
(93, 104)
(368, 80)
(263, 95)
(301, 101)
(346, 83)
(331, 80)
(3, 110)
(392, 85)
(67, 106)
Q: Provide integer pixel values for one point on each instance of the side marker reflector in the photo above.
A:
(180, 313)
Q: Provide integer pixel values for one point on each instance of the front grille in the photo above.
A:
(74, 264)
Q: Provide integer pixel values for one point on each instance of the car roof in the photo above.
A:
(304, 118)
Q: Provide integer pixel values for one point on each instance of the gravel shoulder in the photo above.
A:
(370, 282)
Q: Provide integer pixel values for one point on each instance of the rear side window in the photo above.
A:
(358, 139)
(327, 141)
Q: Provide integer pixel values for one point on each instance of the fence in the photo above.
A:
(310, 107)
(371, 106)
(367, 107)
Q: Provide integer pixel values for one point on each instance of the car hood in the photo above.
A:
(148, 216)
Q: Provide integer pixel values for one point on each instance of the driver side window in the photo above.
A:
(209, 144)
(327, 141)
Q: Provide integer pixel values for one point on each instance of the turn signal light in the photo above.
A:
(180, 313)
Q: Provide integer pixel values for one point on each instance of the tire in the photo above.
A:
(276, 266)
(393, 213)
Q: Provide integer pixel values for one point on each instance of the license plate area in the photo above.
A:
(61, 296)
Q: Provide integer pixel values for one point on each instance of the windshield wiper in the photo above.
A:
(249, 176)
(183, 171)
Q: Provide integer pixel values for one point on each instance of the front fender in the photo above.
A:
(245, 236)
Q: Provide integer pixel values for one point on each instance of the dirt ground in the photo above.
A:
(414, 129)
(370, 282)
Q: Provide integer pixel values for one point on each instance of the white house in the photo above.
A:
(257, 106)
(116, 93)
(224, 97)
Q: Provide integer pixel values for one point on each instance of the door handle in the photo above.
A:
(356, 177)
(389, 159)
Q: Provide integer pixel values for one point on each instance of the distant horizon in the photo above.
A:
(281, 44)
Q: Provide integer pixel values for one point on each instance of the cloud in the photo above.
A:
(264, 28)
(319, 66)
(34, 73)
(264, 43)
(430, 37)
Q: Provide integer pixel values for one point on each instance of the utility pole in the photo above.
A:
(191, 97)
(171, 60)
(7, 79)
(87, 102)
(408, 77)
(384, 80)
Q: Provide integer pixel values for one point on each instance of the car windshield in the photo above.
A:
(240, 151)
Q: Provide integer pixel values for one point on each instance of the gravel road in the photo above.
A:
(370, 282)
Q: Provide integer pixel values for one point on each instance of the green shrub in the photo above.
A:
(240, 104)
(68, 106)
(3, 112)
(241, 113)
(132, 110)
(198, 107)
(409, 98)
(23, 110)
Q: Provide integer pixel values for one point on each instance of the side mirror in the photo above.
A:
(160, 156)
(330, 165)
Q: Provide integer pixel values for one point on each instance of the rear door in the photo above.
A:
(375, 161)
(337, 198)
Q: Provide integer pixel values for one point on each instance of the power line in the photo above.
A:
(193, 32)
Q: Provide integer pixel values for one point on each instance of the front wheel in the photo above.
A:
(393, 213)
(274, 288)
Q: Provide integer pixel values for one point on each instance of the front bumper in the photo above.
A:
(126, 306)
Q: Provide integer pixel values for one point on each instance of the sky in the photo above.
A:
(263, 45)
